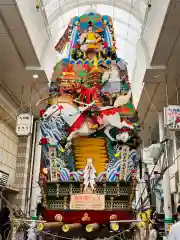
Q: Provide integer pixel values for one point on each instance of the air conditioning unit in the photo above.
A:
(3, 178)
(148, 161)
(152, 151)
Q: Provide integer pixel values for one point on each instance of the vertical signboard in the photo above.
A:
(53, 163)
(124, 163)
(172, 117)
(24, 124)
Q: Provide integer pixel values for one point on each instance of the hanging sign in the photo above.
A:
(63, 41)
(53, 163)
(172, 117)
(124, 163)
(24, 124)
(87, 202)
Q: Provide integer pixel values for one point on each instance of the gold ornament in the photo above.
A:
(76, 23)
(86, 217)
(89, 228)
(144, 217)
(114, 226)
(38, 3)
(45, 171)
(113, 217)
(58, 217)
(65, 228)
(39, 227)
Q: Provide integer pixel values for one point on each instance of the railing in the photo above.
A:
(109, 205)
(117, 195)
(119, 189)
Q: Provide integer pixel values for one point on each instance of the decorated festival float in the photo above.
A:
(90, 135)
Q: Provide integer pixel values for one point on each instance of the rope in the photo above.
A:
(162, 150)
(15, 213)
(157, 180)
(7, 117)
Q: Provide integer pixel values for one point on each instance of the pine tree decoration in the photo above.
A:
(110, 151)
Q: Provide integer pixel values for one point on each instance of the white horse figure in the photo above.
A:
(70, 113)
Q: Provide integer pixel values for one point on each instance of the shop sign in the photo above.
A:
(172, 117)
(87, 202)
(24, 124)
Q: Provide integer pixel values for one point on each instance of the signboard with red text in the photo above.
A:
(87, 202)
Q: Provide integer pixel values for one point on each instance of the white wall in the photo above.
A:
(38, 32)
(154, 24)
(139, 72)
(8, 151)
(34, 23)
(146, 46)
(49, 59)
(8, 138)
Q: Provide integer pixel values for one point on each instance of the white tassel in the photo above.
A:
(31, 232)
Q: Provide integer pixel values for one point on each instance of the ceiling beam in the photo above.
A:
(64, 8)
(11, 37)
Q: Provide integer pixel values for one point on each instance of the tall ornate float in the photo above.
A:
(89, 128)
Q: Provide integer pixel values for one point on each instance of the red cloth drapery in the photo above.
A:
(82, 118)
(94, 216)
(78, 123)
(110, 111)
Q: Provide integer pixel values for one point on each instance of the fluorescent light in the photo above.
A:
(35, 76)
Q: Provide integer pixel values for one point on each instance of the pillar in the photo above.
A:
(176, 165)
(166, 180)
(22, 169)
(36, 191)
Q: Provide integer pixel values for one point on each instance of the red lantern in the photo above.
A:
(42, 112)
(43, 141)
